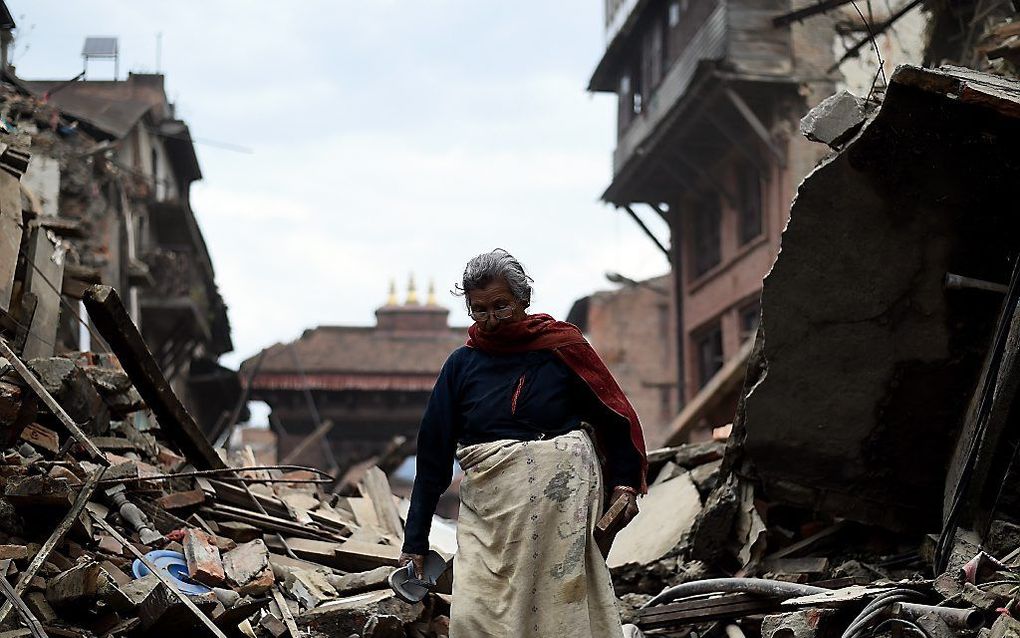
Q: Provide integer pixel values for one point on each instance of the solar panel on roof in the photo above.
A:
(99, 48)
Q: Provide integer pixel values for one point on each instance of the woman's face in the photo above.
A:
(498, 304)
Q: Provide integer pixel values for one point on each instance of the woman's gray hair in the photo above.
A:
(494, 266)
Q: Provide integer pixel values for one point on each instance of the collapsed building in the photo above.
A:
(107, 198)
(875, 436)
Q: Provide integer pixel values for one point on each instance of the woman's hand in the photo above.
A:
(632, 506)
(417, 559)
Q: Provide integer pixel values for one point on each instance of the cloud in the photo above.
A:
(388, 138)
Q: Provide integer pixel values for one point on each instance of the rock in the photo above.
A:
(692, 455)
(310, 587)
(706, 477)
(713, 526)
(807, 623)
(1005, 626)
(1003, 537)
(164, 612)
(13, 552)
(138, 589)
(42, 609)
(228, 597)
(350, 615)
(116, 389)
(10, 521)
(359, 582)
(72, 389)
(247, 568)
(835, 119)
(30, 491)
(981, 599)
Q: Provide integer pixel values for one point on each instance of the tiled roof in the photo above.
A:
(111, 106)
(345, 357)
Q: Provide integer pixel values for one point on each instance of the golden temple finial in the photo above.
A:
(412, 292)
(391, 299)
(431, 301)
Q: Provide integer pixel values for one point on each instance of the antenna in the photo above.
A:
(105, 48)
(159, 52)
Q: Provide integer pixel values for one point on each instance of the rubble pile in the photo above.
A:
(109, 527)
(806, 575)
(868, 486)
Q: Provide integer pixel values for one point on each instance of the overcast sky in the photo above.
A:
(384, 138)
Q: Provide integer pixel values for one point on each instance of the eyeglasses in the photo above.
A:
(500, 314)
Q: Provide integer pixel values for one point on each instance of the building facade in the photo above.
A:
(632, 330)
(371, 382)
(710, 95)
(109, 181)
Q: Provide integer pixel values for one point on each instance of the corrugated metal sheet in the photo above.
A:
(709, 43)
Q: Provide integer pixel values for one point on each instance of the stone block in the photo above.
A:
(74, 392)
(807, 623)
(835, 119)
(310, 587)
(247, 568)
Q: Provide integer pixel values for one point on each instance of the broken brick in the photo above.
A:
(203, 558)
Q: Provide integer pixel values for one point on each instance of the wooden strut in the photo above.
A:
(651, 235)
(57, 537)
(19, 366)
(159, 574)
(308, 442)
(288, 617)
(756, 124)
(111, 319)
(34, 626)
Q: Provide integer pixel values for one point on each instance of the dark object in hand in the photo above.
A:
(611, 523)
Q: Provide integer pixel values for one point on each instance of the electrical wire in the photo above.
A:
(878, 53)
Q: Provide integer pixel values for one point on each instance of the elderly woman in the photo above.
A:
(544, 434)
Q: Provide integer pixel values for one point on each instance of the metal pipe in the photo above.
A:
(959, 282)
(956, 618)
(760, 586)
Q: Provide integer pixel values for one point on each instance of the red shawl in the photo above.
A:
(542, 332)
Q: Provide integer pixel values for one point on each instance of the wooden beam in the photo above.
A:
(10, 236)
(43, 278)
(160, 574)
(756, 124)
(807, 12)
(112, 320)
(90, 448)
(651, 235)
(737, 142)
(704, 174)
(288, 617)
(376, 488)
(309, 441)
(726, 379)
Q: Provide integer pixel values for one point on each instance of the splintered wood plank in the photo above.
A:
(10, 235)
(176, 423)
(376, 487)
(43, 278)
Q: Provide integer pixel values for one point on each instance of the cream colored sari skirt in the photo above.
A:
(526, 563)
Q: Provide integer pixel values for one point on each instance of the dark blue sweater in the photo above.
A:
(481, 397)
